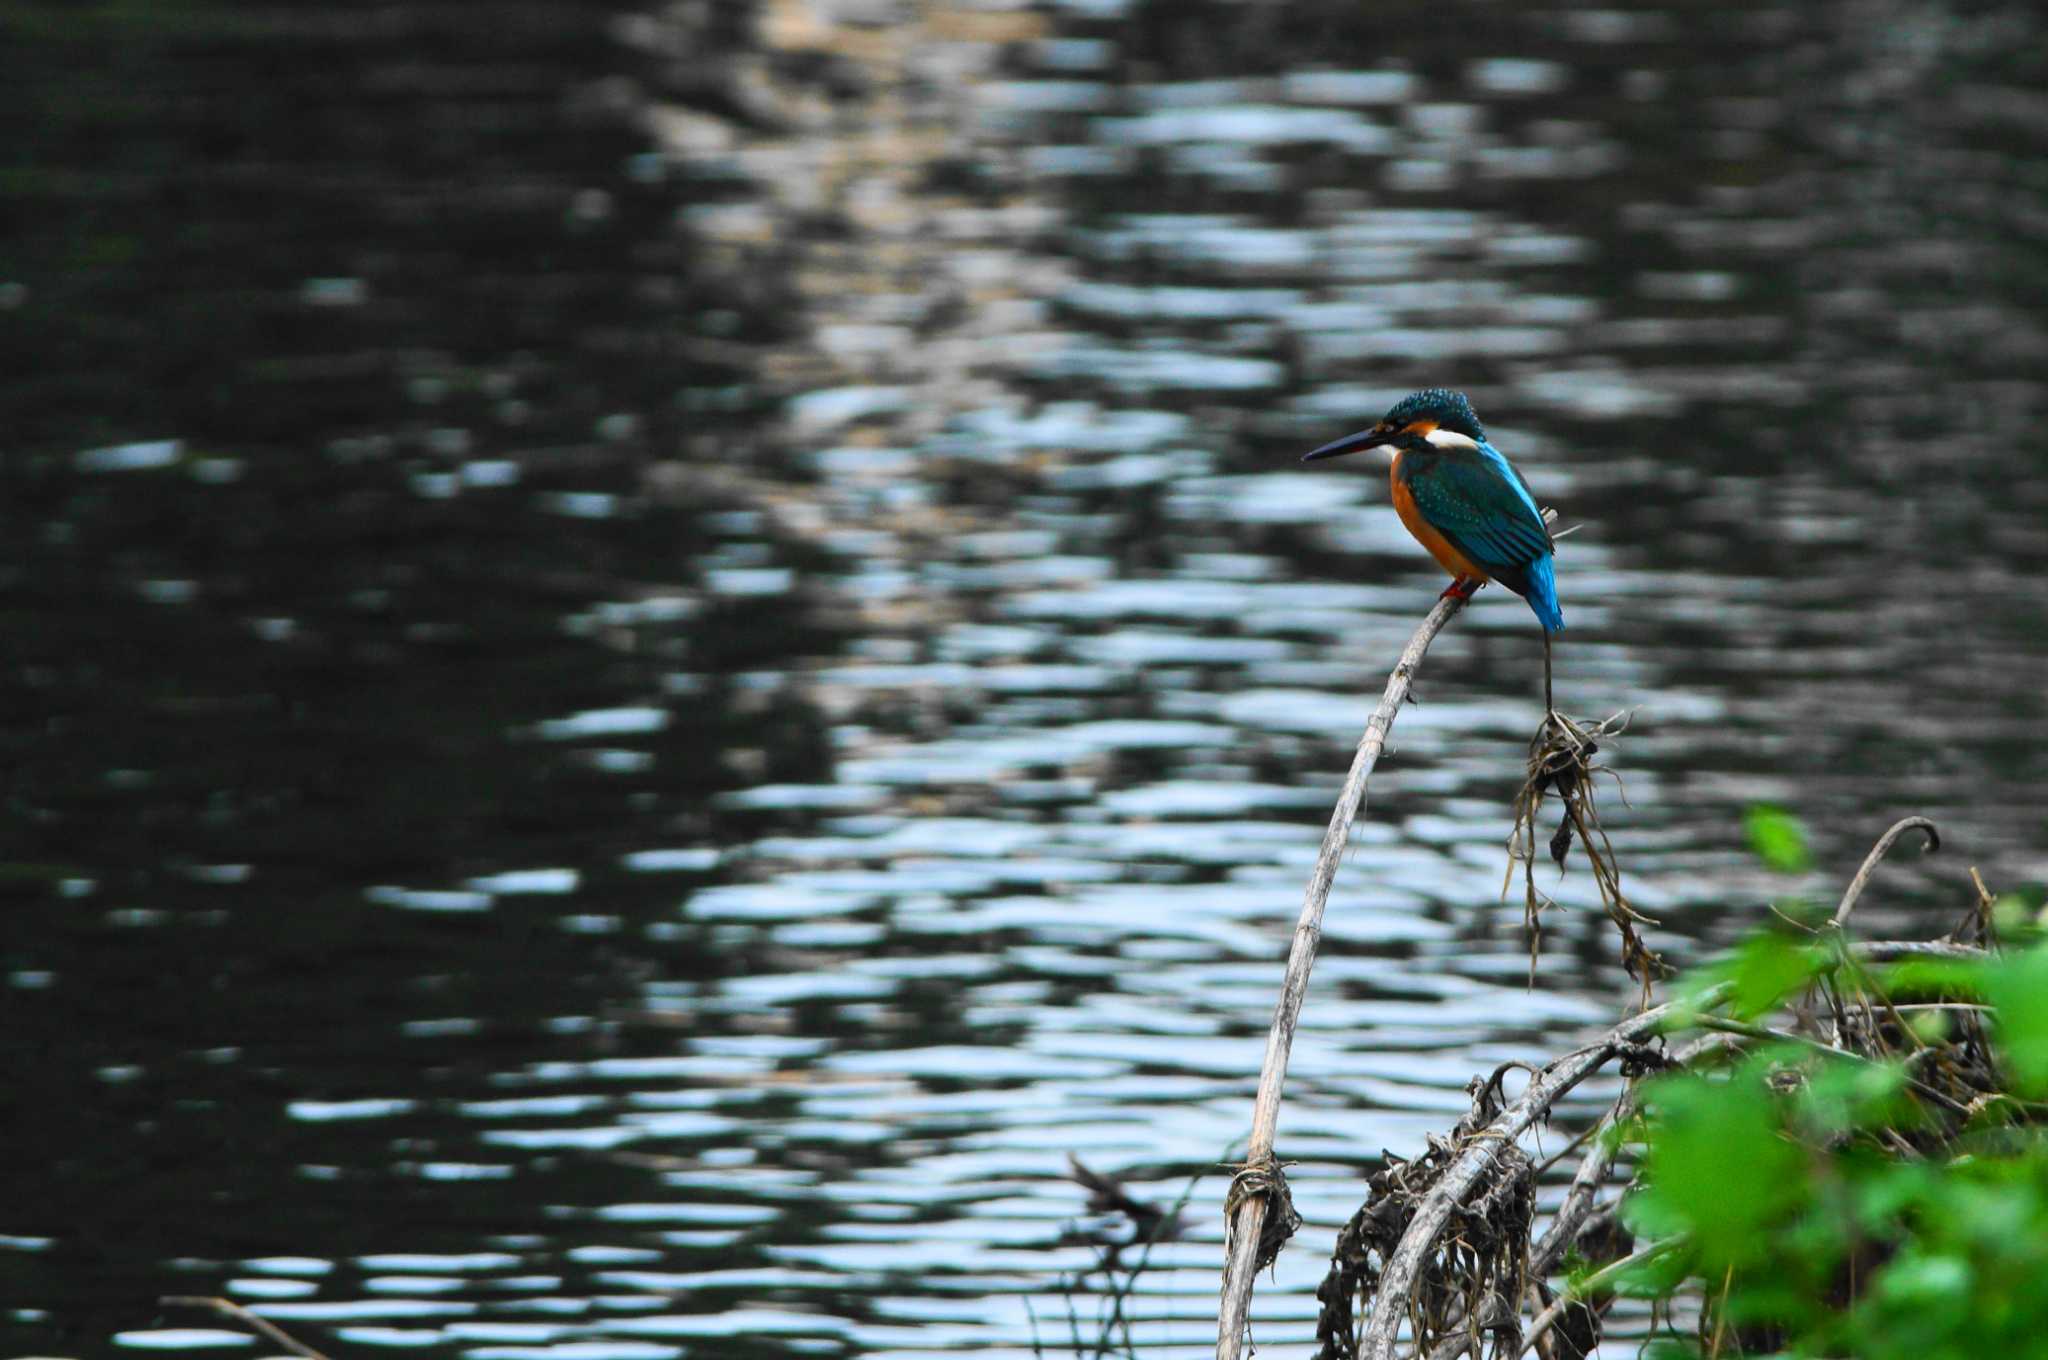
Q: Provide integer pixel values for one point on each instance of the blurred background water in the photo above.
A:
(656, 653)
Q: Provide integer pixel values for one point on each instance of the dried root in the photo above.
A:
(1472, 1280)
(1561, 765)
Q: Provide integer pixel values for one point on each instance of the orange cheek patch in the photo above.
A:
(1420, 428)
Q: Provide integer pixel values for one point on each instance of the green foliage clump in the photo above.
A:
(1868, 1179)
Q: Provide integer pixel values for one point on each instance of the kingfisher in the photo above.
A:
(1462, 499)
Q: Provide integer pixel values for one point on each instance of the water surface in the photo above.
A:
(657, 659)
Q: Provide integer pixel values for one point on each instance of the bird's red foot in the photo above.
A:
(1461, 589)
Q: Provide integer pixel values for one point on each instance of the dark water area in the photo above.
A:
(654, 656)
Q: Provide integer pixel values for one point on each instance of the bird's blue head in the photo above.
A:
(1436, 408)
(1413, 417)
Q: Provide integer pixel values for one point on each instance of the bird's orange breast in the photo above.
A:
(1453, 561)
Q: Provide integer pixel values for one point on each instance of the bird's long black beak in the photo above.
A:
(1350, 443)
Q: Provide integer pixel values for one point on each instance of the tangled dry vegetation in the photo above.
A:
(1801, 1048)
(1562, 765)
(1445, 1258)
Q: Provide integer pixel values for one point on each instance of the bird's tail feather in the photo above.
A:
(1542, 595)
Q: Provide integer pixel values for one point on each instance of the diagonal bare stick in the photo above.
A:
(1308, 932)
(228, 1308)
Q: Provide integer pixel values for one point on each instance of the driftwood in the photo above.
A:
(1251, 1241)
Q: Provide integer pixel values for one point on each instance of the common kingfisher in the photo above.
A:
(1462, 499)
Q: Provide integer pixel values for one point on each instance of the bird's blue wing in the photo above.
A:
(1480, 503)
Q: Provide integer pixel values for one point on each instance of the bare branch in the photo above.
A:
(1250, 1216)
(1884, 951)
(1783, 1036)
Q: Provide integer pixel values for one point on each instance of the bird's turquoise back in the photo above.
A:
(1477, 500)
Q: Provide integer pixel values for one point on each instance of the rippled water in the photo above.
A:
(698, 721)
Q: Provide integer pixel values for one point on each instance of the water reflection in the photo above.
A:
(665, 847)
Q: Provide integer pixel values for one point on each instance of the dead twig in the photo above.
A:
(269, 1331)
(1887, 951)
(1593, 1284)
(1561, 762)
(1248, 1219)
(1576, 1210)
(1766, 1034)
(1150, 1224)
(1107, 1195)
(1877, 854)
(1979, 922)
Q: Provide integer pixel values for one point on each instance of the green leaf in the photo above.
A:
(1930, 979)
(1664, 1348)
(1926, 1280)
(1881, 1191)
(1766, 969)
(1765, 1300)
(2018, 989)
(1777, 838)
(1929, 1027)
(1802, 1212)
(1926, 1297)
(1655, 1277)
(1717, 1167)
(1841, 1096)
